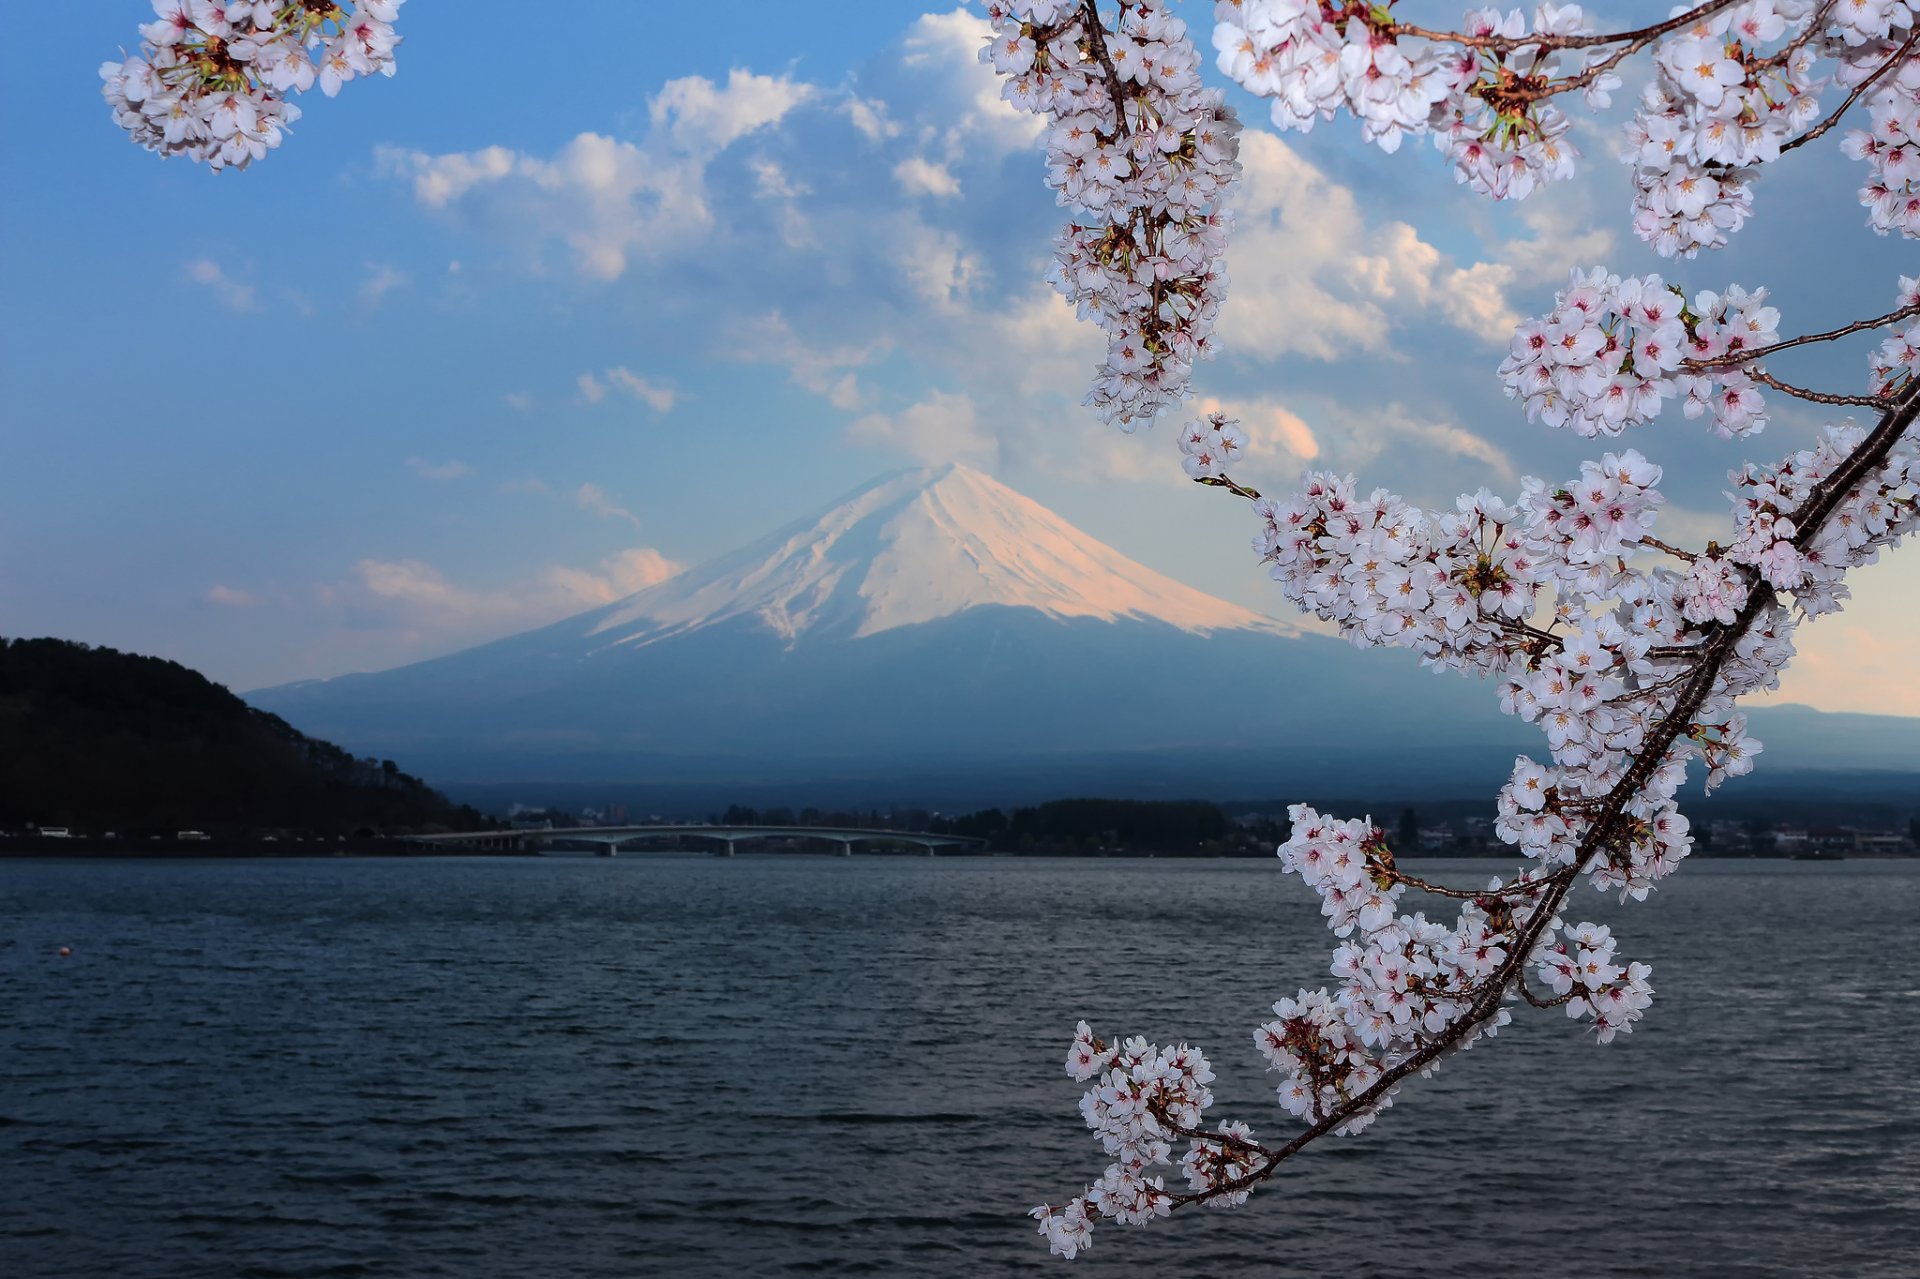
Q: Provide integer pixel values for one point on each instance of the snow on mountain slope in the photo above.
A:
(911, 548)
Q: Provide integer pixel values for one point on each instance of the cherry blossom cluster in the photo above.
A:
(1315, 58)
(1459, 586)
(1142, 1096)
(1892, 367)
(1891, 148)
(1722, 103)
(1895, 362)
(1320, 1057)
(1210, 444)
(1614, 349)
(1741, 84)
(1879, 511)
(1146, 159)
(1345, 863)
(1413, 978)
(1404, 980)
(1579, 967)
(212, 76)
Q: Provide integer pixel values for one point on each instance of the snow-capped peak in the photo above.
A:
(910, 548)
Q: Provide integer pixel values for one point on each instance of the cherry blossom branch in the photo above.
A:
(1623, 715)
(1639, 38)
(1711, 658)
(1815, 26)
(1222, 482)
(1859, 91)
(1511, 888)
(1760, 352)
(1816, 397)
(1097, 46)
(1655, 544)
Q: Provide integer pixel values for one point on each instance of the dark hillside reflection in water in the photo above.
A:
(688, 1066)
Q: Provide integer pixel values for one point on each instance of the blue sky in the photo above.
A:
(515, 332)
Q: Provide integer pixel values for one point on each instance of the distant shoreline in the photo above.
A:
(178, 849)
(24, 849)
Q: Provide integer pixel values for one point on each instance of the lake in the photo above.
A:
(689, 1066)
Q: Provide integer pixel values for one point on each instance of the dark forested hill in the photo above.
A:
(101, 740)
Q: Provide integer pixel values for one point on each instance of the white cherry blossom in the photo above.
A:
(211, 80)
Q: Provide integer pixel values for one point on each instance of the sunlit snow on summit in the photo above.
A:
(911, 548)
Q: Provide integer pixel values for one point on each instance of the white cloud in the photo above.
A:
(940, 428)
(231, 293)
(421, 599)
(595, 387)
(973, 110)
(772, 182)
(1273, 430)
(834, 250)
(617, 577)
(382, 279)
(824, 370)
(1312, 278)
(452, 469)
(869, 115)
(229, 597)
(698, 115)
(610, 201)
(939, 266)
(597, 501)
(918, 175)
(1359, 436)
(439, 180)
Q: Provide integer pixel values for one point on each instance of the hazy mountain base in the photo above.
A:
(995, 705)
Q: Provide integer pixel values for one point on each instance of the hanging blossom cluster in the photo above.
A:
(1740, 85)
(1146, 158)
(1142, 1096)
(1893, 365)
(1479, 99)
(1735, 86)
(1613, 350)
(1891, 148)
(212, 76)
(1723, 102)
(1771, 544)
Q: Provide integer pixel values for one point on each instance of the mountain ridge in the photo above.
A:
(933, 625)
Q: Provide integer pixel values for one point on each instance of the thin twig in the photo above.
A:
(1222, 482)
(1760, 352)
(1816, 397)
(1655, 544)
(1818, 129)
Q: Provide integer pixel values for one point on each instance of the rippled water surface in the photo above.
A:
(690, 1066)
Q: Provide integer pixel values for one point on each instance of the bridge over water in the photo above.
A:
(724, 839)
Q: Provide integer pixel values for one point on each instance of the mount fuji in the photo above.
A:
(937, 638)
